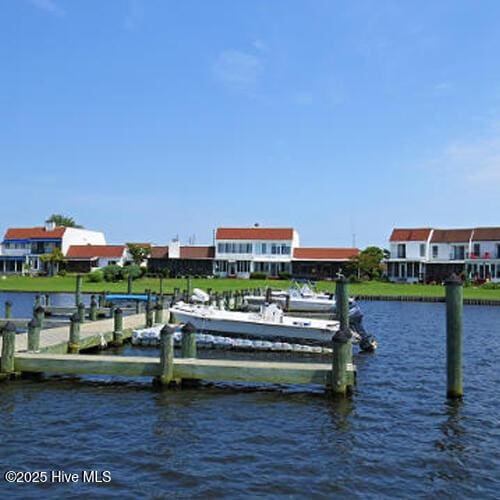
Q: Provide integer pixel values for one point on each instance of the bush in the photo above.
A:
(491, 286)
(133, 270)
(284, 276)
(258, 276)
(95, 277)
(112, 273)
(62, 272)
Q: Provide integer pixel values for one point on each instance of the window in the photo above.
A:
(458, 252)
(476, 249)
(498, 251)
(243, 266)
(274, 249)
(220, 247)
(422, 249)
(401, 251)
(263, 248)
(220, 266)
(285, 249)
(435, 251)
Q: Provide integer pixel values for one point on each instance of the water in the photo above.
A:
(397, 437)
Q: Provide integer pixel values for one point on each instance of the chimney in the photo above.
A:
(174, 249)
(49, 225)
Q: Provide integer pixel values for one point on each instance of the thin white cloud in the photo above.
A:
(474, 163)
(238, 70)
(48, 6)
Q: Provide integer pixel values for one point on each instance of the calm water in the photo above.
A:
(397, 437)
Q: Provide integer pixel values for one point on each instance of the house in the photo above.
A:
(86, 258)
(428, 254)
(242, 251)
(181, 260)
(22, 248)
(321, 263)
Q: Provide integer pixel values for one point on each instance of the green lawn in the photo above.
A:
(67, 284)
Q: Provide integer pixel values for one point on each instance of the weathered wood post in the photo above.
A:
(93, 309)
(158, 318)
(269, 294)
(38, 301)
(47, 300)
(39, 315)
(118, 327)
(78, 289)
(188, 341)
(137, 307)
(149, 312)
(217, 300)
(129, 283)
(8, 349)
(81, 312)
(342, 302)
(454, 337)
(74, 334)
(166, 356)
(8, 309)
(287, 302)
(33, 335)
(342, 366)
(112, 307)
(101, 300)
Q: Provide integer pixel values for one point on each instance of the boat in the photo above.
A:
(268, 323)
(303, 299)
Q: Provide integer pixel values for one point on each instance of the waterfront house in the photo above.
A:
(320, 263)
(86, 258)
(22, 248)
(428, 254)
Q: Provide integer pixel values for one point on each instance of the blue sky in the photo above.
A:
(149, 119)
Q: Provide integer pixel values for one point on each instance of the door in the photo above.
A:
(231, 269)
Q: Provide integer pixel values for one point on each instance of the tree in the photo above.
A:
(53, 260)
(368, 264)
(138, 252)
(63, 220)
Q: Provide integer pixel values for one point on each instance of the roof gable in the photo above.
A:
(254, 233)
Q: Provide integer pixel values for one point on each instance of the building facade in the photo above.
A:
(432, 255)
(321, 263)
(22, 249)
(86, 258)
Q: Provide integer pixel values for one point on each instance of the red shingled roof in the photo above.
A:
(254, 233)
(451, 235)
(325, 253)
(93, 251)
(487, 234)
(33, 233)
(197, 252)
(411, 234)
(159, 252)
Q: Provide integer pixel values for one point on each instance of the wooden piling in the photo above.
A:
(39, 315)
(118, 327)
(149, 315)
(269, 294)
(93, 309)
(8, 309)
(47, 300)
(158, 313)
(8, 349)
(454, 337)
(74, 334)
(342, 380)
(188, 342)
(166, 356)
(81, 312)
(342, 302)
(287, 302)
(78, 289)
(34, 328)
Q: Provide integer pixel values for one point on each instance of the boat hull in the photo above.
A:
(296, 305)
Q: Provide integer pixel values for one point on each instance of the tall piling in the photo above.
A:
(166, 356)
(93, 309)
(188, 342)
(342, 302)
(8, 349)
(8, 309)
(39, 315)
(34, 335)
(118, 327)
(158, 313)
(74, 334)
(81, 312)
(78, 289)
(454, 337)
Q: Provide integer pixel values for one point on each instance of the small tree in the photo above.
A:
(53, 260)
(138, 253)
(63, 220)
(368, 263)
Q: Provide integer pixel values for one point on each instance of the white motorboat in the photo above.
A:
(268, 322)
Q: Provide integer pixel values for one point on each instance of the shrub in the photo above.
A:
(112, 273)
(490, 286)
(95, 277)
(258, 276)
(62, 272)
(284, 276)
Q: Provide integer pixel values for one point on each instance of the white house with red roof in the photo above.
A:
(22, 248)
(429, 254)
(86, 258)
(242, 251)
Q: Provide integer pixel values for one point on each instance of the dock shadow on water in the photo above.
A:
(396, 437)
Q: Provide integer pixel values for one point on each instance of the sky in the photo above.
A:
(155, 119)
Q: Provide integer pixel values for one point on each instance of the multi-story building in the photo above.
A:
(427, 254)
(242, 251)
(22, 248)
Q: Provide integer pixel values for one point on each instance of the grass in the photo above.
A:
(67, 284)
